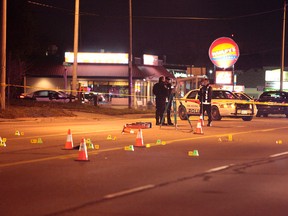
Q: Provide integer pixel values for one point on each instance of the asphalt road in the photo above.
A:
(241, 168)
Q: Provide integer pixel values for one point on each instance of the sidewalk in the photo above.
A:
(80, 115)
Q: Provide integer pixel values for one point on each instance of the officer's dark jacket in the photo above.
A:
(205, 94)
(160, 90)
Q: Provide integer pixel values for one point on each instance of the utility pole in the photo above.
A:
(76, 34)
(283, 48)
(130, 56)
(3, 54)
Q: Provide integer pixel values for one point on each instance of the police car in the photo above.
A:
(224, 104)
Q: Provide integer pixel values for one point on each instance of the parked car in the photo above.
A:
(89, 97)
(48, 95)
(246, 97)
(272, 102)
(224, 104)
(243, 96)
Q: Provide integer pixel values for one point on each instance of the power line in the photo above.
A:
(165, 17)
(211, 18)
(61, 9)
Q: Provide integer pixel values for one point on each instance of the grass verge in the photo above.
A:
(28, 109)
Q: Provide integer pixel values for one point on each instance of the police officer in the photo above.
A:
(161, 92)
(205, 96)
(169, 99)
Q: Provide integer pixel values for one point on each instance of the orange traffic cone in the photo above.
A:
(83, 155)
(199, 129)
(202, 120)
(139, 139)
(69, 141)
(127, 130)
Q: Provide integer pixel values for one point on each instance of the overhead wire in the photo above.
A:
(164, 17)
(61, 9)
(211, 18)
(168, 17)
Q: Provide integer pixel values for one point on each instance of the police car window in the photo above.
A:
(192, 95)
(217, 95)
(229, 95)
(242, 97)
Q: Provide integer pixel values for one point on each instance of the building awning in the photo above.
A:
(100, 71)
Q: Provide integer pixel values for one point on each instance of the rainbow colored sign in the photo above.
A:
(224, 52)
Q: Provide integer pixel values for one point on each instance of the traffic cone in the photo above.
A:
(127, 130)
(83, 155)
(202, 120)
(139, 139)
(199, 129)
(69, 141)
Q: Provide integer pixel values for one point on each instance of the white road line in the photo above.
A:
(130, 191)
(267, 130)
(280, 154)
(219, 168)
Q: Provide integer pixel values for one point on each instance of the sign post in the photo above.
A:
(224, 53)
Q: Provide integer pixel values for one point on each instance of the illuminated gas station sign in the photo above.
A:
(224, 52)
(104, 58)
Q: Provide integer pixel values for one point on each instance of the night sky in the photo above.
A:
(182, 30)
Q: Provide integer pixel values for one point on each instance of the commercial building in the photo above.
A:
(105, 73)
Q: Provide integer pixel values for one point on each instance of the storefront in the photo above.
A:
(110, 80)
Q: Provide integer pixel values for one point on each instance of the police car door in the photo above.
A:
(193, 106)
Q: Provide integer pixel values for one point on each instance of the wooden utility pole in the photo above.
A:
(76, 35)
(3, 54)
(283, 48)
(130, 57)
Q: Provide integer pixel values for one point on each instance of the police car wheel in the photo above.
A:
(247, 118)
(215, 113)
(182, 112)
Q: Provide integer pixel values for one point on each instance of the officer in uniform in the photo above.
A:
(169, 99)
(205, 96)
(161, 92)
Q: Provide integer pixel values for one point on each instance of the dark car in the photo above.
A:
(272, 102)
(48, 95)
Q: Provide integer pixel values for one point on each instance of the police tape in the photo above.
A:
(70, 91)
(238, 102)
(139, 96)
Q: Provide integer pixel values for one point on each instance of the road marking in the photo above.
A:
(120, 148)
(56, 157)
(211, 136)
(30, 161)
(279, 154)
(219, 168)
(65, 134)
(267, 130)
(130, 191)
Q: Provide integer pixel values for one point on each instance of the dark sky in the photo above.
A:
(255, 25)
